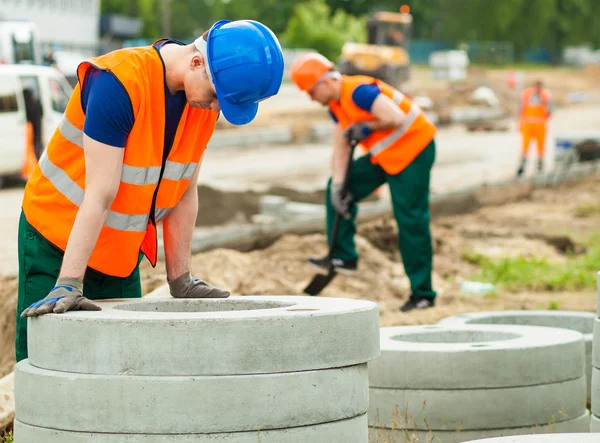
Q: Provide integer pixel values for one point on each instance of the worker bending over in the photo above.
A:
(535, 110)
(400, 146)
(126, 157)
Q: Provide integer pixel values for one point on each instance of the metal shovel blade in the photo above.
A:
(319, 282)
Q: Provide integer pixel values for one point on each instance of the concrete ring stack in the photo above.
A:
(577, 321)
(463, 382)
(243, 369)
(562, 438)
(595, 420)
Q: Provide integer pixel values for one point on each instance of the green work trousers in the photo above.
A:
(410, 199)
(39, 266)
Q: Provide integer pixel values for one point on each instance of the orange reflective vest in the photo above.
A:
(148, 190)
(535, 108)
(393, 149)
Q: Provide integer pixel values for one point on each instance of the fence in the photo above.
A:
(487, 53)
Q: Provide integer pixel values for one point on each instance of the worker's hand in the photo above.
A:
(358, 131)
(67, 295)
(339, 202)
(186, 286)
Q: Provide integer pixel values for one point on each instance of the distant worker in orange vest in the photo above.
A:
(398, 139)
(126, 157)
(535, 110)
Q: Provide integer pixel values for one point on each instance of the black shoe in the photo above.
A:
(521, 170)
(418, 303)
(343, 267)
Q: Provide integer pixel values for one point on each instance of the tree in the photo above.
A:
(313, 26)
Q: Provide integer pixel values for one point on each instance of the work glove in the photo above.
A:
(339, 202)
(67, 295)
(186, 286)
(358, 131)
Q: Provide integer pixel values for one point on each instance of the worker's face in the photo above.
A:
(199, 90)
(322, 91)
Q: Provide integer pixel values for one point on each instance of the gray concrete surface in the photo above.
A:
(187, 405)
(595, 424)
(578, 321)
(570, 438)
(353, 430)
(470, 409)
(578, 425)
(596, 391)
(476, 356)
(208, 337)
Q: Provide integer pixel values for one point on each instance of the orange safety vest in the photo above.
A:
(535, 108)
(149, 189)
(393, 149)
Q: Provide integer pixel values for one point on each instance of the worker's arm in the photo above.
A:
(178, 229)
(339, 155)
(387, 114)
(102, 179)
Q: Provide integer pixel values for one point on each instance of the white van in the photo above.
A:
(19, 42)
(38, 94)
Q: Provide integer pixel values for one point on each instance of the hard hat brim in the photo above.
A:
(238, 114)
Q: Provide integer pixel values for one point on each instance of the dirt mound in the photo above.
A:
(8, 307)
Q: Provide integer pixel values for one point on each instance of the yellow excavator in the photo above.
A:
(385, 55)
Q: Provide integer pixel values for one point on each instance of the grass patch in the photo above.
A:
(538, 274)
(7, 438)
(590, 210)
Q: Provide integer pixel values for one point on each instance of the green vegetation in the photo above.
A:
(314, 26)
(589, 210)
(539, 274)
(7, 438)
(555, 23)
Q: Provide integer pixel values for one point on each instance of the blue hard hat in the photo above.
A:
(246, 66)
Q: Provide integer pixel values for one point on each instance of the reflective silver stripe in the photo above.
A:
(397, 97)
(161, 213)
(61, 180)
(390, 139)
(135, 175)
(123, 222)
(71, 190)
(177, 171)
(70, 131)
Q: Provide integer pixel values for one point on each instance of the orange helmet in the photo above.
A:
(308, 69)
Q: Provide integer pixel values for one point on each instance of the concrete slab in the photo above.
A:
(577, 321)
(561, 438)
(577, 425)
(187, 405)
(476, 356)
(238, 335)
(595, 424)
(470, 409)
(353, 430)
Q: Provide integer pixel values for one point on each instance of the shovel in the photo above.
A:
(320, 281)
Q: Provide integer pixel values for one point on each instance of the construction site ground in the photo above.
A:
(542, 252)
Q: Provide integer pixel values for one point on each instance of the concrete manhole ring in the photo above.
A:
(577, 321)
(580, 424)
(475, 357)
(188, 404)
(234, 336)
(351, 430)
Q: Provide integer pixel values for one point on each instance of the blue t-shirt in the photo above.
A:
(109, 114)
(363, 97)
